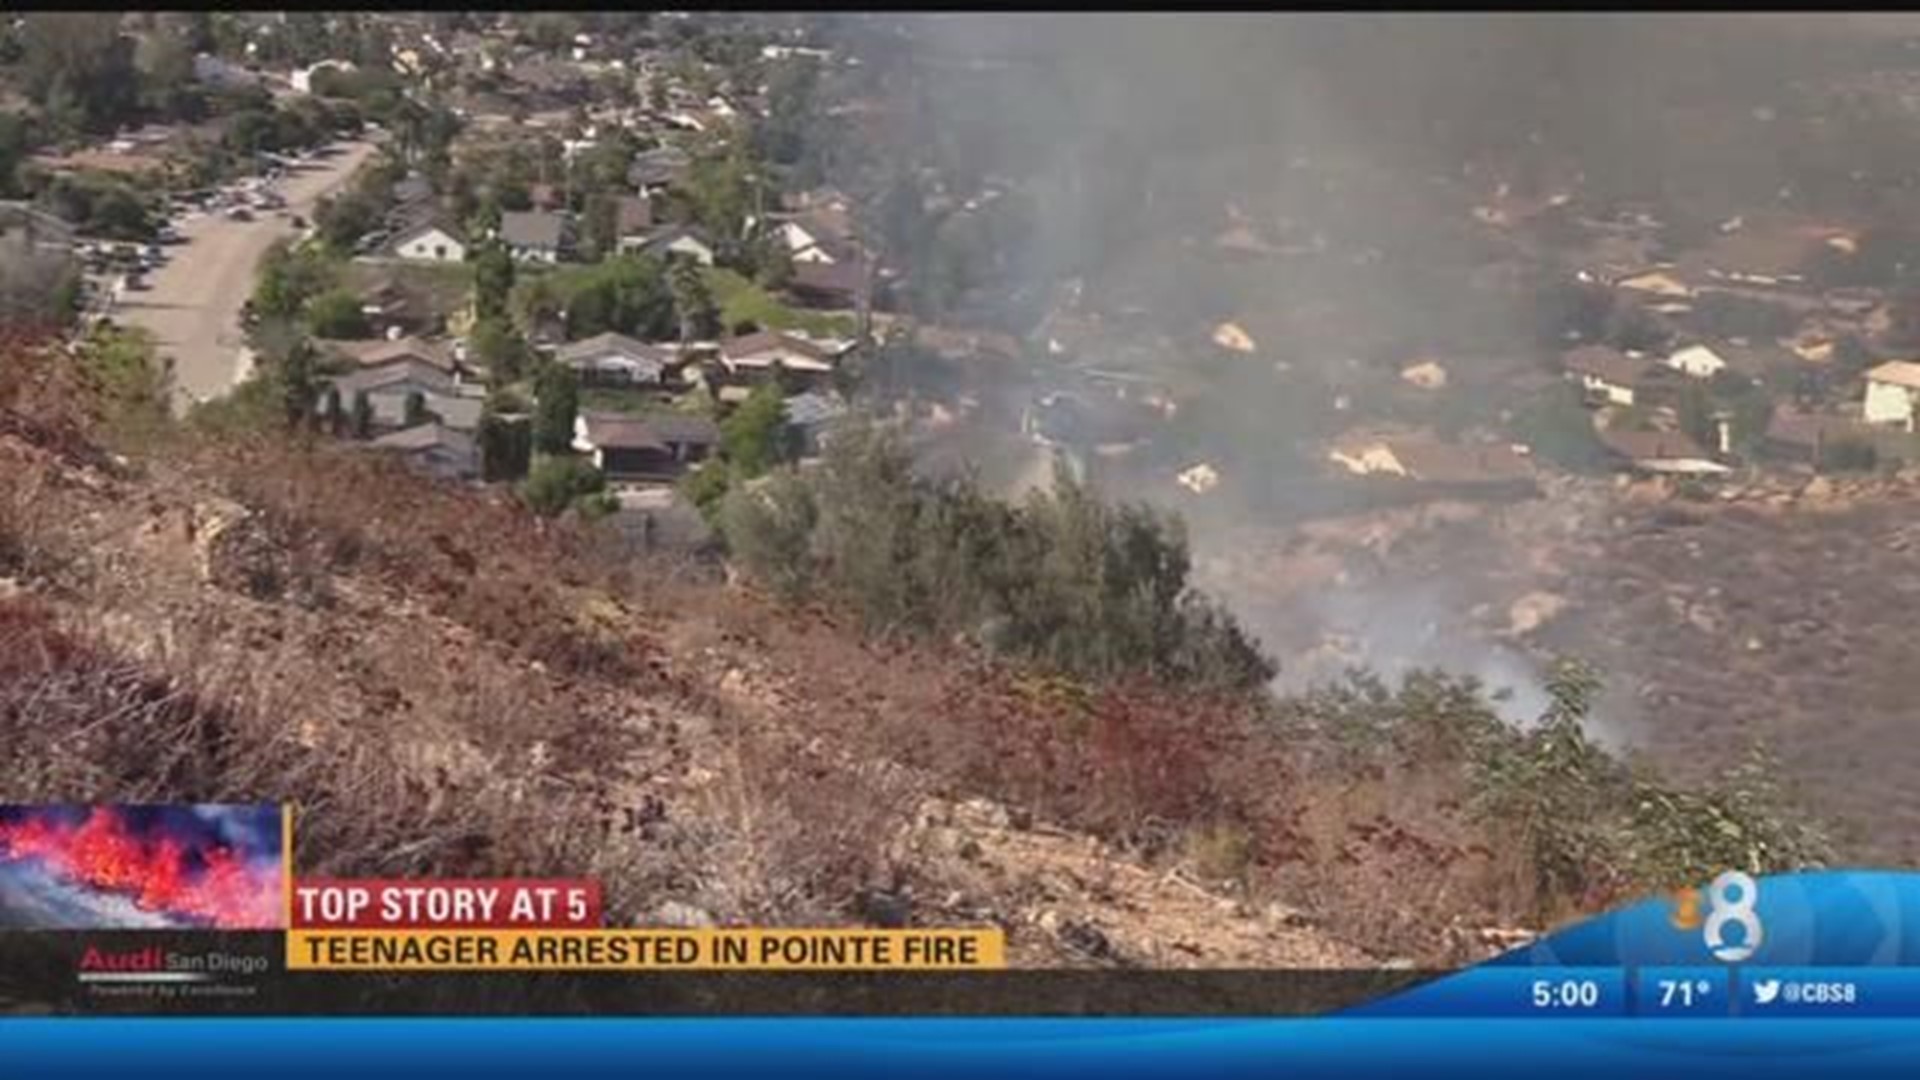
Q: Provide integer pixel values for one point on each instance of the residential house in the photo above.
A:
(1892, 389)
(1769, 254)
(768, 352)
(368, 355)
(1809, 437)
(411, 193)
(1427, 374)
(1478, 467)
(390, 386)
(394, 312)
(828, 286)
(617, 359)
(818, 236)
(224, 74)
(1697, 361)
(810, 415)
(434, 448)
(632, 222)
(683, 241)
(958, 343)
(656, 447)
(430, 241)
(1661, 452)
(34, 229)
(536, 236)
(1089, 421)
(1607, 375)
(655, 171)
(1660, 282)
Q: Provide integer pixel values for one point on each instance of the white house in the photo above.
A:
(535, 235)
(1607, 375)
(770, 350)
(682, 241)
(429, 242)
(1892, 390)
(613, 357)
(1697, 361)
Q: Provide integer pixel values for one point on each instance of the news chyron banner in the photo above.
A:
(555, 925)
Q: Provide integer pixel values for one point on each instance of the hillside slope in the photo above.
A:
(445, 685)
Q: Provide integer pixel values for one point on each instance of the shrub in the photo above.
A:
(337, 313)
(1066, 580)
(770, 526)
(1850, 455)
(554, 483)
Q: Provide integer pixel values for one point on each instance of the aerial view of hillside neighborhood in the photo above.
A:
(1225, 491)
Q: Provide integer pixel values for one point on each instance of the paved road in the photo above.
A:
(192, 306)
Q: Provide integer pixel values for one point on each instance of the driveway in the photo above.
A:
(192, 305)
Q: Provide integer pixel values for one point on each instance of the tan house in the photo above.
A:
(1606, 374)
(1892, 390)
(1660, 283)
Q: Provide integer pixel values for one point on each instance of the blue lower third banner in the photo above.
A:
(1827, 992)
(33, 1048)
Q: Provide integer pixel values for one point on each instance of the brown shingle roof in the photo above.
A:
(623, 431)
(1457, 463)
(1611, 365)
(1810, 429)
(1652, 445)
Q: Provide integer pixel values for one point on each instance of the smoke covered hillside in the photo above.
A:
(1239, 246)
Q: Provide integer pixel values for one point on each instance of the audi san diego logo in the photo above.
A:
(160, 971)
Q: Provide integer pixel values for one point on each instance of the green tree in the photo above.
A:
(14, 147)
(341, 221)
(492, 281)
(299, 382)
(337, 313)
(1557, 426)
(1066, 580)
(556, 393)
(287, 280)
(500, 348)
(557, 482)
(755, 438)
(628, 295)
(600, 227)
(1696, 411)
(693, 302)
(770, 527)
(79, 68)
(506, 446)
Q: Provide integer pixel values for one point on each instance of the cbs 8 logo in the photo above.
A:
(1730, 899)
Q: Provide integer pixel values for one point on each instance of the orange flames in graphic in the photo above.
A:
(219, 887)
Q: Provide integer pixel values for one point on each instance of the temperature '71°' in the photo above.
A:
(1682, 992)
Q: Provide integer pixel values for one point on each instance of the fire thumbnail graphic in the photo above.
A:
(141, 867)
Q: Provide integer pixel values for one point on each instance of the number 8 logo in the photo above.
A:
(1724, 909)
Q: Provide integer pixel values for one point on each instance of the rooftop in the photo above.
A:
(532, 228)
(1898, 373)
(1606, 363)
